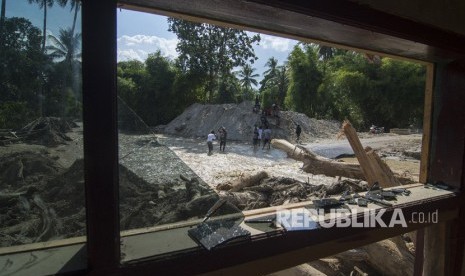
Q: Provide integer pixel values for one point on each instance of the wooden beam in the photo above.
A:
(434, 250)
(306, 21)
(448, 135)
(100, 134)
(419, 252)
(427, 121)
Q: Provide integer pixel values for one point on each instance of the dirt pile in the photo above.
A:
(41, 201)
(239, 120)
(47, 131)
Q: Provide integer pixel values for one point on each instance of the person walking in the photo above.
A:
(211, 136)
(255, 138)
(260, 135)
(223, 136)
(298, 130)
(267, 137)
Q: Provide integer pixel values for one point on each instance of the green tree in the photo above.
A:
(66, 46)
(247, 81)
(304, 80)
(21, 64)
(43, 4)
(2, 17)
(188, 88)
(66, 49)
(282, 84)
(76, 6)
(276, 87)
(367, 91)
(270, 73)
(211, 51)
(147, 88)
(230, 90)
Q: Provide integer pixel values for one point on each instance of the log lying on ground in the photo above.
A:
(315, 164)
(243, 181)
(374, 169)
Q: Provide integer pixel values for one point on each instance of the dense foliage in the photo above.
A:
(21, 72)
(215, 65)
(212, 52)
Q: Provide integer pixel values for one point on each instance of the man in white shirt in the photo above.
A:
(211, 136)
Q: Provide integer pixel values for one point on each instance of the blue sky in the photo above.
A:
(139, 34)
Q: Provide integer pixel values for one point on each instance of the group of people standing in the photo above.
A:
(261, 136)
(222, 133)
(261, 133)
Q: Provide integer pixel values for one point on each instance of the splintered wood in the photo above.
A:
(374, 169)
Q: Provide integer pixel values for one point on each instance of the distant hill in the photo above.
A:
(239, 120)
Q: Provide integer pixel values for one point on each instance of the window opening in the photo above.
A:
(41, 152)
(181, 82)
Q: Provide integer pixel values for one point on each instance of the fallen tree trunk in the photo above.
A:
(315, 164)
(243, 182)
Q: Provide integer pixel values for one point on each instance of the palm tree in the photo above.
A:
(269, 74)
(43, 4)
(247, 77)
(2, 13)
(75, 5)
(282, 82)
(65, 46)
(272, 63)
(2, 18)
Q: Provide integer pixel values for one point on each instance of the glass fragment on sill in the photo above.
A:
(211, 234)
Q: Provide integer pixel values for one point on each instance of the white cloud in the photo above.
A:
(139, 46)
(276, 43)
(131, 54)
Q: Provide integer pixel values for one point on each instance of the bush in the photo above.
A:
(14, 115)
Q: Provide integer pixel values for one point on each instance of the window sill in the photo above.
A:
(168, 248)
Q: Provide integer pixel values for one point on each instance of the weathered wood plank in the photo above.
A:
(427, 121)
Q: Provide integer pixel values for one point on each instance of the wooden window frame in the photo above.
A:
(272, 253)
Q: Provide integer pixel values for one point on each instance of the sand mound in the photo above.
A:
(239, 120)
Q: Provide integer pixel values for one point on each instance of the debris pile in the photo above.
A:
(260, 190)
(47, 131)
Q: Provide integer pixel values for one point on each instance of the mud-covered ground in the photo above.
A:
(240, 158)
(163, 179)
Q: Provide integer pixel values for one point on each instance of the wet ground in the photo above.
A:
(240, 158)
